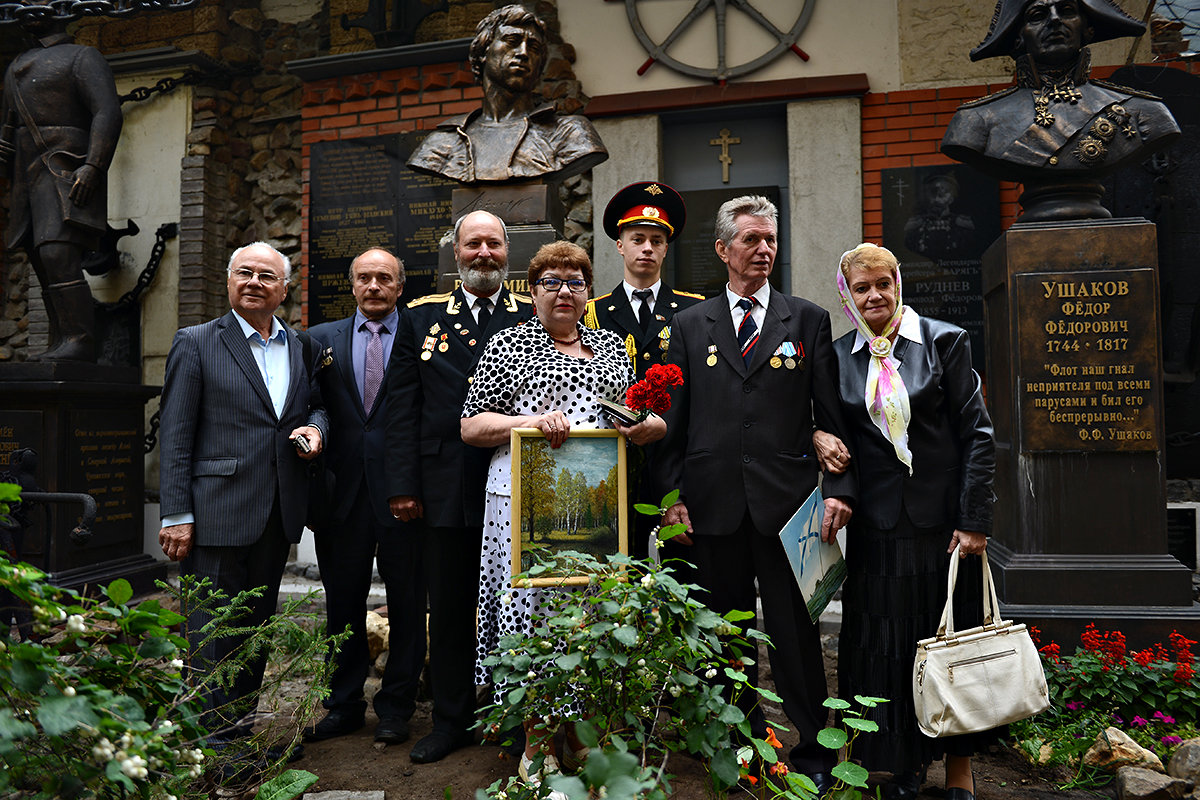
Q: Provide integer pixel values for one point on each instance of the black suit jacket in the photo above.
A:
(613, 312)
(426, 386)
(225, 455)
(739, 439)
(357, 453)
(949, 435)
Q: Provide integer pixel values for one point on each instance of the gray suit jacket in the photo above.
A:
(225, 455)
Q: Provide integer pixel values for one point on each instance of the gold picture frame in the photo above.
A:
(568, 497)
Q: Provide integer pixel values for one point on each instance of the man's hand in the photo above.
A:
(87, 178)
(176, 540)
(837, 514)
(406, 507)
(313, 435)
(968, 542)
(678, 514)
(831, 452)
(651, 429)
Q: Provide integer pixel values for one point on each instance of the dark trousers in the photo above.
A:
(727, 567)
(452, 577)
(345, 555)
(228, 710)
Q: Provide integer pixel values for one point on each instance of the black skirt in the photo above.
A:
(893, 596)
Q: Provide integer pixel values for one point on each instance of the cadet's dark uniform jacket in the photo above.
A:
(613, 312)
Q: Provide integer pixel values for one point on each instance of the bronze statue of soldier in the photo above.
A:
(512, 137)
(1056, 130)
(62, 119)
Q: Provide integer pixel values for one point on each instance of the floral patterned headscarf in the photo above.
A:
(886, 394)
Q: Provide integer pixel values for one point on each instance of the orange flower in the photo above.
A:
(753, 780)
(772, 739)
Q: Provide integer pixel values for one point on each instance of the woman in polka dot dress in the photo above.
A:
(548, 374)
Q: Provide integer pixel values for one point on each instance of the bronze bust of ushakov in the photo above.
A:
(512, 137)
(1056, 130)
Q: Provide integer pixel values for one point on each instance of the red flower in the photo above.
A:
(779, 768)
(1050, 651)
(652, 392)
(1091, 637)
(1144, 657)
(1035, 634)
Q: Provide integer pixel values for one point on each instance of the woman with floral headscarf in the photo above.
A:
(921, 440)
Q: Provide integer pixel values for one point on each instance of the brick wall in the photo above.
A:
(905, 129)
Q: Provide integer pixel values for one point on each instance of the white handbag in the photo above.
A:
(977, 679)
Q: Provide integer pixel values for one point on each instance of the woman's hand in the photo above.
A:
(831, 452)
(555, 426)
(969, 542)
(651, 429)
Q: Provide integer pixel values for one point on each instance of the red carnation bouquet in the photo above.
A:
(651, 394)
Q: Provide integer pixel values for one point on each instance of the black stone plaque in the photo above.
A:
(938, 221)
(1087, 360)
(361, 196)
(692, 263)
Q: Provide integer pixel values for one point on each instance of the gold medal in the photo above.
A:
(443, 347)
(711, 360)
(776, 362)
(789, 362)
(426, 355)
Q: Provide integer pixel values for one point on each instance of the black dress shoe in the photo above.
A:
(438, 745)
(392, 730)
(959, 794)
(336, 723)
(904, 786)
(824, 782)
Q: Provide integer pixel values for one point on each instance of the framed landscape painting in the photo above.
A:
(572, 498)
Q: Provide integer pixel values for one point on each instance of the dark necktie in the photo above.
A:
(484, 304)
(747, 330)
(644, 313)
(372, 365)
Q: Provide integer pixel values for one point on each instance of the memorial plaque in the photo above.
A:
(938, 221)
(19, 430)
(1087, 360)
(692, 264)
(362, 195)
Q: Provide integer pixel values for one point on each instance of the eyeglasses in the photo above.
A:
(265, 278)
(554, 284)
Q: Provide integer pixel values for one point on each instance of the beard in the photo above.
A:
(480, 280)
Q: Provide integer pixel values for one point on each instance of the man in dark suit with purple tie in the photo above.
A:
(363, 530)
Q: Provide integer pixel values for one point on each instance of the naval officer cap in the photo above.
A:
(645, 203)
(1105, 18)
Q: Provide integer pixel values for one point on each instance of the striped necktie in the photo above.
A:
(747, 330)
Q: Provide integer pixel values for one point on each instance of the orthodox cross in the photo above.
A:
(724, 140)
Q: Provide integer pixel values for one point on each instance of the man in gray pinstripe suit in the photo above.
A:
(234, 484)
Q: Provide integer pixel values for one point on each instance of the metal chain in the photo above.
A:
(67, 10)
(163, 86)
(168, 230)
(152, 434)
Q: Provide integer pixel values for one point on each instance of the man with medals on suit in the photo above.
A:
(758, 369)
(643, 218)
(238, 424)
(362, 529)
(431, 475)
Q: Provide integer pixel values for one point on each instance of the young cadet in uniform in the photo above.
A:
(643, 218)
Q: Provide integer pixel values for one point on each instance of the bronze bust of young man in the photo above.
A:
(512, 137)
(1056, 130)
